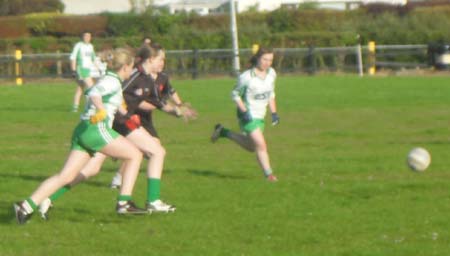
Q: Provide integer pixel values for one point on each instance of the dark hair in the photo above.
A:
(261, 51)
(148, 51)
(85, 32)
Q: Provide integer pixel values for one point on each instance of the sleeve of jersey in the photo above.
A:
(103, 88)
(155, 101)
(131, 97)
(75, 50)
(239, 89)
(272, 94)
(168, 88)
(93, 91)
(93, 54)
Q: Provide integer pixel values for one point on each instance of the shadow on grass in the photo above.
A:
(41, 178)
(418, 141)
(24, 176)
(7, 215)
(76, 215)
(213, 174)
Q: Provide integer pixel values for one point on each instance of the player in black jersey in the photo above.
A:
(147, 89)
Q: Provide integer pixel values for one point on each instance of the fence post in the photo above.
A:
(360, 61)
(58, 63)
(18, 57)
(311, 60)
(195, 64)
(371, 58)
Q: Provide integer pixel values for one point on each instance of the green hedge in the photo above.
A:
(280, 28)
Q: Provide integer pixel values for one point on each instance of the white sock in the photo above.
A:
(27, 207)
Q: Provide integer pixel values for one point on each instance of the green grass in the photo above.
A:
(339, 153)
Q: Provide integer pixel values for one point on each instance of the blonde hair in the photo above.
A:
(117, 58)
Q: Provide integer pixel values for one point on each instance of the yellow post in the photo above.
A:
(19, 80)
(371, 58)
(255, 48)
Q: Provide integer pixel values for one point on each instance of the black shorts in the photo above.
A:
(149, 127)
(123, 130)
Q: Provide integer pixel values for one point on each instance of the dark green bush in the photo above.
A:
(280, 28)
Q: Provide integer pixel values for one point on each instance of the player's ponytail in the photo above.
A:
(147, 52)
(117, 58)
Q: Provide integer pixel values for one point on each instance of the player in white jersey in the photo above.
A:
(82, 60)
(146, 90)
(93, 134)
(254, 91)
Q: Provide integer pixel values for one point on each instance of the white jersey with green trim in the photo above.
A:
(255, 92)
(110, 89)
(84, 55)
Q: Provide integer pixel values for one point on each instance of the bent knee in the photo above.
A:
(260, 147)
(160, 150)
(135, 155)
(156, 152)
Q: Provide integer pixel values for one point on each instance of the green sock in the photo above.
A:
(224, 132)
(59, 192)
(153, 189)
(31, 203)
(124, 198)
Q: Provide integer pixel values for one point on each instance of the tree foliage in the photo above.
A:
(280, 28)
(19, 7)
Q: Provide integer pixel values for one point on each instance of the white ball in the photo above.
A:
(418, 159)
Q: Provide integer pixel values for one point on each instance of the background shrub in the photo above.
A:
(385, 24)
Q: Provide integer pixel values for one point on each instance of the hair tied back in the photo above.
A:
(109, 56)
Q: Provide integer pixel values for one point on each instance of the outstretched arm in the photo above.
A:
(273, 105)
(273, 109)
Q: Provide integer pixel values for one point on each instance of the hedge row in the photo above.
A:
(280, 28)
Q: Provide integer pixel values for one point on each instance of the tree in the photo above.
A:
(309, 6)
(20, 7)
(140, 6)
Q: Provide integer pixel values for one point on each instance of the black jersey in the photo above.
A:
(136, 89)
(142, 87)
(161, 90)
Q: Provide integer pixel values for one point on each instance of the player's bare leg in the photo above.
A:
(82, 85)
(124, 150)
(262, 154)
(241, 139)
(156, 153)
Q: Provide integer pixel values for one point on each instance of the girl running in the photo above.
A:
(254, 91)
(142, 96)
(92, 134)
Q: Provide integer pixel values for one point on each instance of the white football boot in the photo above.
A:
(44, 207)
(160, 206)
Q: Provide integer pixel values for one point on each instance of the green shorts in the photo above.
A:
(252, 125)
(92, 137)
(83, 73)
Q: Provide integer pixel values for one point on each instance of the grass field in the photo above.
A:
(339, 153)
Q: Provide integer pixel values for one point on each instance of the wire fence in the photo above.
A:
(218, 62)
